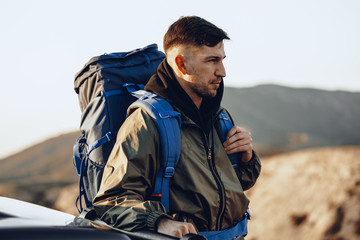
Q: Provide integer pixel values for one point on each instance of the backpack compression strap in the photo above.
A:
(168, 122)
(225, 126)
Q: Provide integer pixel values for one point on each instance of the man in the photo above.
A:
(206, 192)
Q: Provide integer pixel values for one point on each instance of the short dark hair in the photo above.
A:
(195, 31)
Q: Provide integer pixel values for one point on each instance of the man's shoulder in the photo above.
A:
(138, 120)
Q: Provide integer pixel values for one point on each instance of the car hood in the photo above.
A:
(15, 213)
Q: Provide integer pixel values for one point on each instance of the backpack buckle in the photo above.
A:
(223, 116)
(169, 172)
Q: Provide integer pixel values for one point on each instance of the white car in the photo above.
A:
(22, 220)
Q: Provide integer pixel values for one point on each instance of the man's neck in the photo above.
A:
(197, 100)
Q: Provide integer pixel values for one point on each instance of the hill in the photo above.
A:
(36, 173)
(282, 118)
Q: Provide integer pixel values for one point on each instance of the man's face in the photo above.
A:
(205, 69)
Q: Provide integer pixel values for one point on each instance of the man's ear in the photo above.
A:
(180, 64)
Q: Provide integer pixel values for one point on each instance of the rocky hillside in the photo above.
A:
(309, 194)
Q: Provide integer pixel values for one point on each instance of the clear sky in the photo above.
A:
(299, 43)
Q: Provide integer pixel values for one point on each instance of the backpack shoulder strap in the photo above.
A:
(226, 124)
(168, 122)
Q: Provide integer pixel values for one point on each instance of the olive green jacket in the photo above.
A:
(205, 190)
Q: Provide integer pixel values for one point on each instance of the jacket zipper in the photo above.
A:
(220, 185)
(221, 188)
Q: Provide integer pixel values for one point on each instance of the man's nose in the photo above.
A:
(220, 71)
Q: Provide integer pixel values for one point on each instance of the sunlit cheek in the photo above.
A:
(192, 79)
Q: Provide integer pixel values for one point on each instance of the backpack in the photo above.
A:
(104, 87)
(109, 87)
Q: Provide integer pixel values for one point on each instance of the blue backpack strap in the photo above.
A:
(168, 122)
(80, 149)
(240, 229)
(225, 126)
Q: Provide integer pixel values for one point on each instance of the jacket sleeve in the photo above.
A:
(249, 172)
(129, 175)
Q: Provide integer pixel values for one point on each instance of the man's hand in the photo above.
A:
(239, 140)
(175, 228)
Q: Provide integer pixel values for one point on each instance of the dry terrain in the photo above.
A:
(311, 194)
